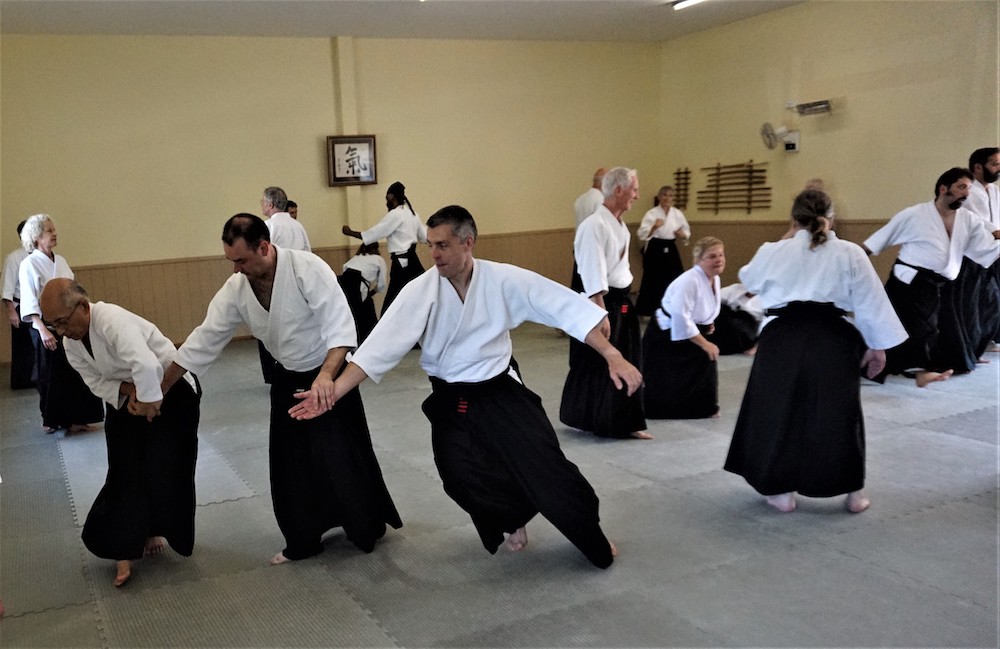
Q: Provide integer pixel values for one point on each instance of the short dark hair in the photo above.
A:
(982, 156)
(951, 177)
(249, 227)
(290, 203)
(461, 221)
(20, 226)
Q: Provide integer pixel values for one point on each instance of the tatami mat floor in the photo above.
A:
(704, 562)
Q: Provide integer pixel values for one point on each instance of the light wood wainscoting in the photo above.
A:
(175, 294)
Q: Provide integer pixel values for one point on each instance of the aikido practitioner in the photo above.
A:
(148, 497)
(495, 449)
(324, 473)
(801, 429)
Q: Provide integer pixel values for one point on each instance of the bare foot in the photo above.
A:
(48, 429)
(81, 428)
(124, 572)
(279, 559)
(718, 413)
(857, 502)
(517, 541)
(614, 549)
(783, 502)
(926, 378)
(642, 434)
(983, 361)
(751, 352)
(155, 544)
(992, 348)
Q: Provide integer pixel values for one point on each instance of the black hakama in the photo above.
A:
(23, 369)
(680, 380)
(921, 305)
(324, 473)
(590, 400)
(150, 487)
(500, 461)
(735, 331)
(399, 276)
(362, 310)
(800, 427)
(661, 264)
(63, 398)
(267, 362)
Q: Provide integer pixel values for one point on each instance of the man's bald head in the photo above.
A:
(61, 301)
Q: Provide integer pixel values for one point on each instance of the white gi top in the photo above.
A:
(286, 232)
(735, 297)
(11, 268)
(837, 271)
(373, 271)
(127, 349)
(691, 300)
(925, 242)
(587, 203)
(674, 220)
(984, 200)
(470, 341)
(601, 250)
(401, 228)
(309, 316)
(34, 273)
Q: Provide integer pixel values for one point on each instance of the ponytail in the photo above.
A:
(809, 211)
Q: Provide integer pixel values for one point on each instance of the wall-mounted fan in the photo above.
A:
(773, 136)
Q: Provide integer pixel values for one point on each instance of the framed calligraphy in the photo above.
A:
(351, 159)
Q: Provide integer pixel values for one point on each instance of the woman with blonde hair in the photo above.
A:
(678, 361)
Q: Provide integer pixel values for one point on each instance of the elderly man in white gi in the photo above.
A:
(148, 498)
(589, 400)
(324, 473)
(495, 449)
(933, 238)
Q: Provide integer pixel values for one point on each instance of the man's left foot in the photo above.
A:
(155, 545)
(279, 559)
(642, 434)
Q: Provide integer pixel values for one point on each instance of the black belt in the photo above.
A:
(807, 308)
(929, 274)
(412, 249)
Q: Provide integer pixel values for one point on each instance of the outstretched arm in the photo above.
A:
(310, 407)
(622, 372)
(351, 233)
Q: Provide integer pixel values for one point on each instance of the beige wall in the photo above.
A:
(140, 147)
(914, 89)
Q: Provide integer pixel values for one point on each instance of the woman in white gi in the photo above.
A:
(800, 428)
(659, 231)
(363, 277)
(148, 498)
(678, 361)
(402, 230)
(64, 400)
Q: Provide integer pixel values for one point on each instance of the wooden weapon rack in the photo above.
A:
(735, 187)
(682, 185)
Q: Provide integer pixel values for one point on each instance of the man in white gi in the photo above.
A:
(293, 209)
(585, 205)
(148, 498)
(589, 401)
(323, 472)
(286, 232)
(984, 200)
(933, 237)
(22, 350)
(402, 230)
(495, 449)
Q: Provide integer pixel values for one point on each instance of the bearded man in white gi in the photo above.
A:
(148, 498)
(323, 472)
(984, 200)
(933, 237)
(495, 449)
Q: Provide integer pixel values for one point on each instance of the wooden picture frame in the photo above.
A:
(351, 160)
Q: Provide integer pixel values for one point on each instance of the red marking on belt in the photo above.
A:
(463, 406)
(624, 308)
